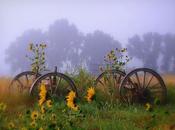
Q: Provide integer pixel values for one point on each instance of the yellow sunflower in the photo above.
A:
(34, 115)
(43, 109)
(42, 117)
(11, 125)
(148, 106)
(41, 128)
(42, 94)
(33, 124)
(90, 94)
(2, 106)
(23, 128)
(49, 103)
(70, 98)
(53, 117)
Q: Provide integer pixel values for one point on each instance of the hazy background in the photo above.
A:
(119, 19)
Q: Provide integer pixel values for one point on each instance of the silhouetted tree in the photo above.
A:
(16, 52)
(65, 44)
(168, 51)
(147, 49)
(96, 45)
(64, 41)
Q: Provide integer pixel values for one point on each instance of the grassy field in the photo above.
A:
(97, 115)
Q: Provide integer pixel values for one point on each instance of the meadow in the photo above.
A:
(23, 112)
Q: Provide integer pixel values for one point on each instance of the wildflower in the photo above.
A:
(11, 125)
(43, 46)
(42, 117)
(23, 128)
(148, 106)
(43, 109)
(20, 115)
(41, 128)
(30, 46)
(53, 117)
(33, 124)
(49, 103)
(90, 94)
(42, 94)
(70, 100)
(2, 107)
(34, 115)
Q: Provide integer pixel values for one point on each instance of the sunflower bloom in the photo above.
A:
(42, 94)
(2, 107)
(34, 115)
(41, 128)
(90, 94)
(24, 128)
(33, 124)
(42, 117)
(53, 117)
(11, 125)
(49, 103)
(148, 106)
(70, 98)
(43, 109)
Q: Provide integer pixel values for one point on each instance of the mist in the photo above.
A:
(117, 21)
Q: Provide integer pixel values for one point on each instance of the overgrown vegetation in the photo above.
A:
(116, 59)
(37, 57)
(91, 110)
(97, 115)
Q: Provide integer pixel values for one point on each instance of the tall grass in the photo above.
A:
(100, 114)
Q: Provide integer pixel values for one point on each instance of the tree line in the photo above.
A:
(68, 47)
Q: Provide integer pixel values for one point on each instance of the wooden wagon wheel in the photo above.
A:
(108, 82)
(143, 85)
(22, 82)
(57, 84)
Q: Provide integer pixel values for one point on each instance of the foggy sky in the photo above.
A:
(120, 18)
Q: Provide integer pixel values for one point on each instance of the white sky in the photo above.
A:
(120, 18)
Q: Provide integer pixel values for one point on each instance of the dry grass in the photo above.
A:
(4, 83)
(14, 102)
(169, 79)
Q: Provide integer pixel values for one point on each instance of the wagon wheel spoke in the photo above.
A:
(119, 79)
(132, 83)
(152, 86)
(57, 85)
(115, 80)
(144, 77)
(50, 85)
(101, 82)
(138, 81)
(21, 85)
(27, 79)
(149, 81)
(107, 83)
(21, 82)
(155, 86)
